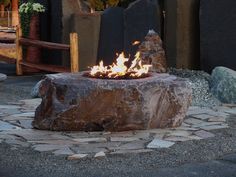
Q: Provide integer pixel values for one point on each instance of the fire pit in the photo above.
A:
(119, 69)
(112, 98)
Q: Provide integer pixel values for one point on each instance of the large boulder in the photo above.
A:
(76, 102)
(223, 84)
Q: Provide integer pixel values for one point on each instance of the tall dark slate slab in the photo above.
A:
(111, 34)
(45, 21)
(218, 35)
(55, 29)
(139, 17)
(45, 29)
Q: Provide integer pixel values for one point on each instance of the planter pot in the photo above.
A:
(2, 10)
(87, 25)
(33, 54)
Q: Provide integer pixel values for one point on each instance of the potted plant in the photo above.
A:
(29, 17)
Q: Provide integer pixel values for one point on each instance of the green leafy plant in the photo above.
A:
(26, 11)
(5, 2)
(100, 5)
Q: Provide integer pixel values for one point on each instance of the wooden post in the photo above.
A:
(74, 52)
(19, 51)
(15, 13)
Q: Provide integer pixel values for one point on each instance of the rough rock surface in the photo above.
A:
(75, 102)
(152, 52)
(223, 84)
(2, 77)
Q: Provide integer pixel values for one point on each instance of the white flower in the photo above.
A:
(38, 7)
(31, 8)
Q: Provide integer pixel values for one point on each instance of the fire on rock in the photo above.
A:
(120, 70)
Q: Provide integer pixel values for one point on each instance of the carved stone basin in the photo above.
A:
(76, 102)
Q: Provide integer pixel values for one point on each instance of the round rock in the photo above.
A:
(3, 77)
(75, 102)
(223, 84)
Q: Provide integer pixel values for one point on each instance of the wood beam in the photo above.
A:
(15, 14)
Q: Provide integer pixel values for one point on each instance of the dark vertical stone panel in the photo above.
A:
(217, 34)
(111, 34)
(170, 25)
(181, 33)
(139, 17)
(45, 28)
(55, 29)
(161, 12)
(187, 34)
(87, 26)
(44, 21)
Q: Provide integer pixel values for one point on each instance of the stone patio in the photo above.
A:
(16, 130)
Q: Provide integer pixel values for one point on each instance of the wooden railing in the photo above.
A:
(72, 47)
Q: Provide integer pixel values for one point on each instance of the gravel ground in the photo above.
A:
(199, 82)
(17, 88)
(23, 162)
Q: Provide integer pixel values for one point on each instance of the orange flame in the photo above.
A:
(119, 69)
(136, 43)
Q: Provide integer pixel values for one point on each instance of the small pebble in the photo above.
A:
(77, 156)
(100, 154)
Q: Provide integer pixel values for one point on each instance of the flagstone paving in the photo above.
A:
(16, 130)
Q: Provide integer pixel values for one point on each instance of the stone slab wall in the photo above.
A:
(181, 33)
(87, 26)
(140, 17)
(179, 30)
(67, 11)
(121, 27)
(111, 40)
(218, 36)
(170, 22)
(187, 44)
